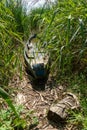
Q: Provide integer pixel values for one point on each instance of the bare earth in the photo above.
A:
(39, 101)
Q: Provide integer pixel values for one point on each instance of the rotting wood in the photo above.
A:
(59, 112)
(37, 59)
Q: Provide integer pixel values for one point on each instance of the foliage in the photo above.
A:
(36, 22)
(8, 121)
(33, 120)
(13, 28)
(77, 84)
(20, 16)
(64, 28)
(8, 100)
(10, 49)
(79, 120)
(9, 40)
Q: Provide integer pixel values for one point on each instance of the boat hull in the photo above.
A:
(36, 60)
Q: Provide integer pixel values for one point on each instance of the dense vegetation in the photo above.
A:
(64, 27)
(11, 46)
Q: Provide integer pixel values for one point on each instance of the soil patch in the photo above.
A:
(39, 101)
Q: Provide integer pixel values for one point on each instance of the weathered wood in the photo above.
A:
(59, 112)
(36, 59)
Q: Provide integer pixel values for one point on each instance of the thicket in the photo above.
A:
(63, 26)
(12, 32)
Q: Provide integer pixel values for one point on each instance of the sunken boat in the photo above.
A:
(36, 58)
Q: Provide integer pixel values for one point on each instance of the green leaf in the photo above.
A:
(6, 97)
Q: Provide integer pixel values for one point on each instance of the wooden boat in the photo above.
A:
(36, 59)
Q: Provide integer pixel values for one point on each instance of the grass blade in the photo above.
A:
(6, 97)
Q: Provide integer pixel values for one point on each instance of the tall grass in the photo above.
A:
(10, 48)
(10, 41)
(20, 15)
(69, 27)
(14, 28)
(6, 96)
(36, 19)
(64, 28)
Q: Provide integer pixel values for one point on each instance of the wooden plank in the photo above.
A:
(59, 111)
